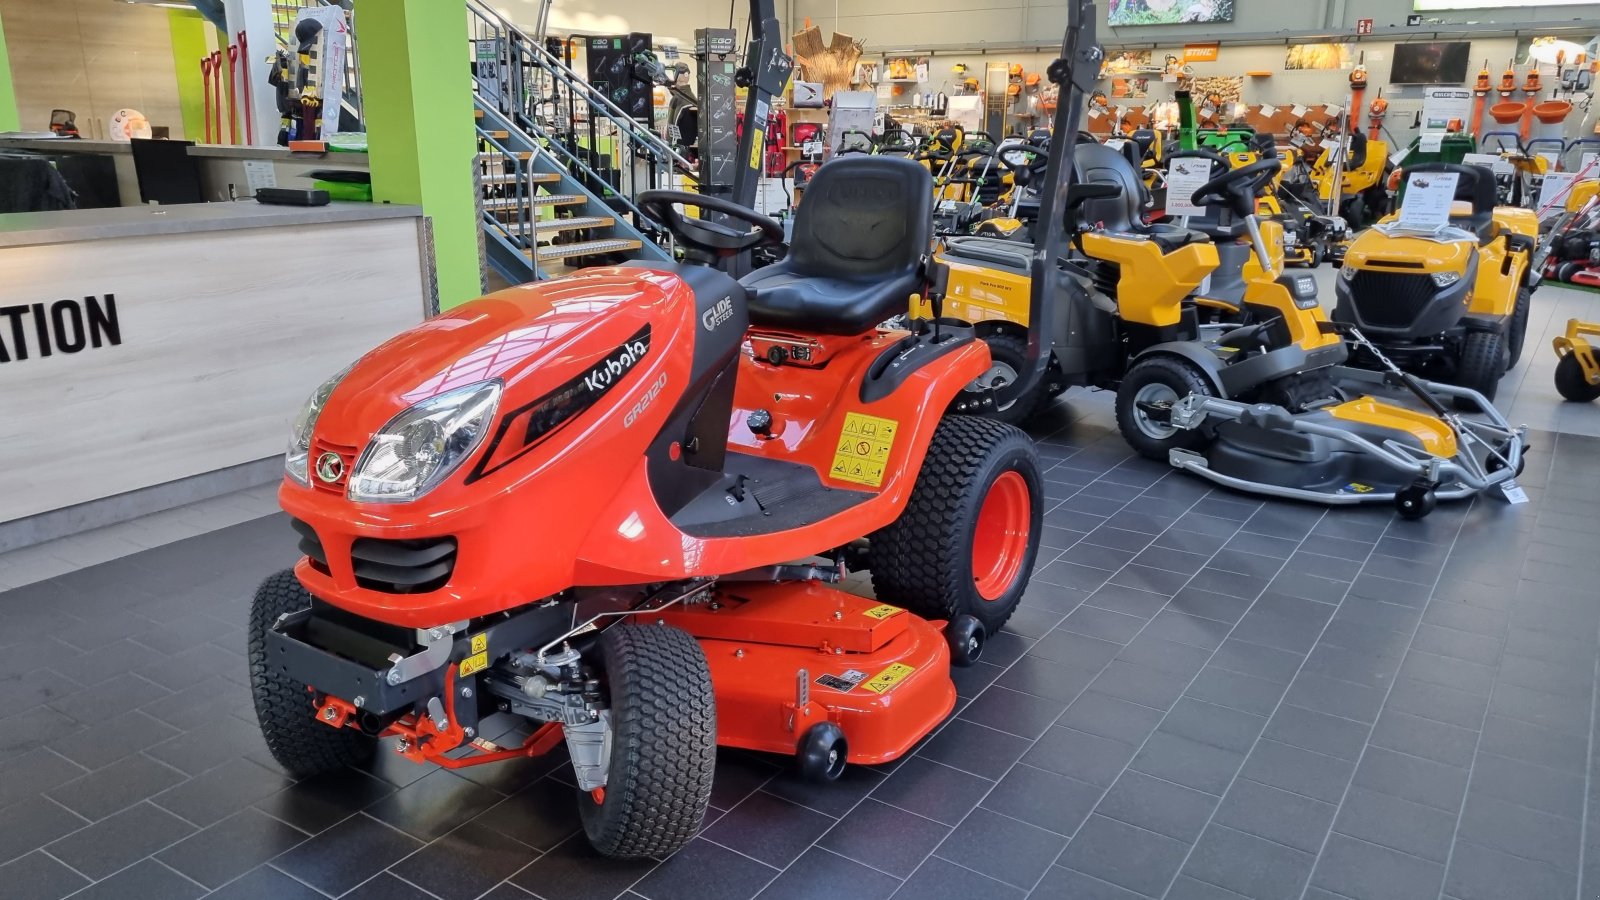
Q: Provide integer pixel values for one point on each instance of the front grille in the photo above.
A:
(1390, 299)
(403, 567)
(311, 545)
(347, 461)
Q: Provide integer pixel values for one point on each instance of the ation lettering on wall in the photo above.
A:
(37, 330)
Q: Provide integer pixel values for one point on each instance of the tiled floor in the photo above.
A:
(1203, 696)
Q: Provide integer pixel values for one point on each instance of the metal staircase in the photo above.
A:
(559, 165)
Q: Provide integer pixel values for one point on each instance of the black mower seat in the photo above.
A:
(855, 257)
(1124, 213)
(1475, 187)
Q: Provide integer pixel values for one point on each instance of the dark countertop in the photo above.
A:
(29, 229)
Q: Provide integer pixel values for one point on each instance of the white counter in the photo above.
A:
(141, 347)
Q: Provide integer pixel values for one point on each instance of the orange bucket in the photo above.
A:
(1552, 112)
(1508, 113)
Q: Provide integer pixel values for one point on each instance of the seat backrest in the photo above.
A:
(864, 216)
(1475, 185)
(1099, 164)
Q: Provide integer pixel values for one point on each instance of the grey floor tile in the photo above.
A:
(705, 871)
(1248, 865)
(1236, 690)
(1003, 848)
(769, 828)
(1483, 873)
(933, 790)
(1188, 762)
(1278, 815)
(465, 863)
(1398, 824)
(218, 854)
(1125, 855)
(1111, 717)
(1298, 771)
(937, 879)
(38, 876)
(974, 748)
(1412, 778)
(1520, 831)
(1157, 805)
(222, 791)
(1309, 729)
(347, 854)
(120, 840)
(1063, 882)
(147, 878)
(820, 874)
(1359, 869)
(886, 838)
(116, 787)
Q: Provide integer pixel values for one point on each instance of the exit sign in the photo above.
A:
(1363, 26)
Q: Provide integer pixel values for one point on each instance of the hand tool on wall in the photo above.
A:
(249, 108)
(233, 107)
(206, 63)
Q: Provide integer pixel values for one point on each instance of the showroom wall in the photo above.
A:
(92, 57)
(665, 19)
(914, 24)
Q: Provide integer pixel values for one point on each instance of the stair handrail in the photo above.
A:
(597, 101)
(527, 227)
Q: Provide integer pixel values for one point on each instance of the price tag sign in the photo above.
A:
(1430, 141)
(1334, 148)
(1513, 491)
(1116, 143)
(1491, 161)
(1553, 191)
(1268, 110)
(1184, 177)
(811, 148)
(1335, 110)
(1298, 110)
(1427, 202)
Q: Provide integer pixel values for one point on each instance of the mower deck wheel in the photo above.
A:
(663, 743)
(823, 753)
(1157, 381)
(1571, 384)
(1415, 501)
(966, 638)
(966, 541)
(284, 708)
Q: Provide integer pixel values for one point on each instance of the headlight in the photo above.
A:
(420, 447)
(1445, 279)
(295, 460)
(1348, 273)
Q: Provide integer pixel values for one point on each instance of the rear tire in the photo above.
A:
(1519, 324)
(1159, 379)
(1009, 354)
(966, 542)
(1481, 365)
(663, 743)
(1571, 384)
(284, 707)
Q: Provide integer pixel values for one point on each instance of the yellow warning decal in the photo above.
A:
(862, 452)
(884, 682)
(477, 662)
(480, 642)
(882, 612)
(757, 145)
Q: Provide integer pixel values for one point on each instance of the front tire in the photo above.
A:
(663, 744)
(284, 707)
(1519, 323)
(1159, 380)
(1008, 354)
(1481, 365)
(966, 542)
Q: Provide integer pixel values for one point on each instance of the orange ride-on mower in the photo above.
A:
(618, 504)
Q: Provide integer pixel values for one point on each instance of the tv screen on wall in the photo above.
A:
(1443, 63)
(1167, 12)
(1443, 5)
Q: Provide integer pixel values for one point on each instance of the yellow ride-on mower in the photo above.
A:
(1578, 367)
(1452, 303)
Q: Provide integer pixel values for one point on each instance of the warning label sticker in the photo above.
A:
(480, 642)
(862, 452)
(884, 682)
(843, 682)
(477, 662)
(882, 612)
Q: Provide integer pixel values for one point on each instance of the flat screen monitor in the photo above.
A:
(167, 173)
(1440, 63)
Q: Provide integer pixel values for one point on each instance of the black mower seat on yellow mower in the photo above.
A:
(1124, 213)
(1475, 190)
(856, 254)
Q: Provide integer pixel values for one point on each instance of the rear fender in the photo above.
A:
(1191, 352)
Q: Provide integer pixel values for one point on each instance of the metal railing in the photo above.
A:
(613, 155)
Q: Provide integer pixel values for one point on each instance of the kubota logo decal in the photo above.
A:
(607, 371)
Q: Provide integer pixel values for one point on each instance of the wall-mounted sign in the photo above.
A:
(1363, 26)
(1193, 53)
(1413, 21)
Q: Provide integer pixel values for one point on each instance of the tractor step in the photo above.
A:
(511, 177)
(568, 224)
(585, 248)
(510, 204)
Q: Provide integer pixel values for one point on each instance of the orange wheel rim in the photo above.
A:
(1000, 540)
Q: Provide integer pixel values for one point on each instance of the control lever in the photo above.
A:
(936, 291)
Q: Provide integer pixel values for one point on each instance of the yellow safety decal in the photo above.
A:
(473, 664)
(882, 612)
(480, 642)
(757, 145)
(884, 682)
(862, 452)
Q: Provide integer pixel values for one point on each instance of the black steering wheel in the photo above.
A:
(1237, 188)
(705, 235)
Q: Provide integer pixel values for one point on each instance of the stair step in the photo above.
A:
(511, 203)
(477, 113)
(533, 178)
(567, 224)
(519, 154)
(585, 248)
(498, 135)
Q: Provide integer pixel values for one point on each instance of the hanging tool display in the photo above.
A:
(233, 106)
(1481, 92)
(1375, 114)
(1530, 96)
(244, 74)
(206, 63)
